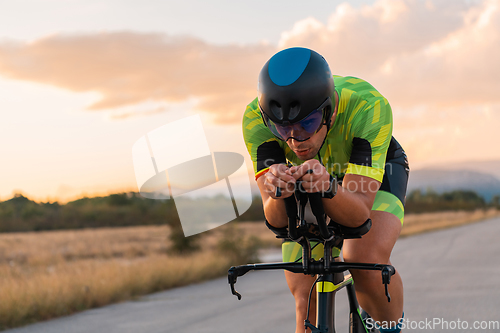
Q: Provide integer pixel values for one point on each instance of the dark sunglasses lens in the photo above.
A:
(302, 130)
(312, 122)
(275, 129)
(282, 131)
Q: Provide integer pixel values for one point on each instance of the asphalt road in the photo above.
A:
(450, 276)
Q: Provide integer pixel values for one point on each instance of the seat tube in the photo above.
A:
(325, 311)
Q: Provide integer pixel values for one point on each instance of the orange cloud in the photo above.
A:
(448, 134)
(360, 40)
(436, 62)
(128, 68)
(414, 52)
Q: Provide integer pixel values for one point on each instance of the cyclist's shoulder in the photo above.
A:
(253, 106)
(356, 94)
(251, 113)
(353, 90)
(255, 132)
(354, 84)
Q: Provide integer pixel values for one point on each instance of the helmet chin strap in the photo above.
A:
(329, 123)
(328, 126)
(331, 112)
(324, 139)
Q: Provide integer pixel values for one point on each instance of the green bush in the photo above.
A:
(430, 201)
(130, 209)
(239, 248)
(123, 209)
(180, 243)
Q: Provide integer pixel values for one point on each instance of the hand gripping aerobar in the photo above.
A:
(332, 235)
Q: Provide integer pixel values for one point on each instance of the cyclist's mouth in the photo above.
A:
(301, 152)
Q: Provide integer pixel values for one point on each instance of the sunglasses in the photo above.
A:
(301, 130)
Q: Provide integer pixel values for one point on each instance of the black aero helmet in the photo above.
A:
(294, 83)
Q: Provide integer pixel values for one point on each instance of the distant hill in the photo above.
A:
(487, 167)
(484, 184)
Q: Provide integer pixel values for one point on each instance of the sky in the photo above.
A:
(82, 81)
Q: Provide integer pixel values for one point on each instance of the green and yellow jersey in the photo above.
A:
(357, 142)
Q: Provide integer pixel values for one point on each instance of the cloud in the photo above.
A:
(415, 52)
(436, 62)
(362, 39)
(461, 68)
(127, 68)
(448, 134)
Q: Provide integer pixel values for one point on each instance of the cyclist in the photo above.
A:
(340, 127)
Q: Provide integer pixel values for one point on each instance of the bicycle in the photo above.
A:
(330, 269)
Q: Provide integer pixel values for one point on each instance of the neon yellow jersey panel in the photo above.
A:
(357, 143)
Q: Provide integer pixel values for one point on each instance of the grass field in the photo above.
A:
(419, 223)
(49, 274)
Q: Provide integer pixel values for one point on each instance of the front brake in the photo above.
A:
(386, 279)
(232, 276)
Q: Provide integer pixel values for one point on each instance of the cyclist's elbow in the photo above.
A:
(363, 214)
(361, 218)
(364, 209)
(352, 210)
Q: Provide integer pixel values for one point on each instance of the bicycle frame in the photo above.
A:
(329, 269)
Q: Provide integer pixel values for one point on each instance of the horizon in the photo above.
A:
(255, 192)
(83, 81)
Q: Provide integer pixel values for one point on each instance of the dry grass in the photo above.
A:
(419, 223)
(49, 274)
(53, 247)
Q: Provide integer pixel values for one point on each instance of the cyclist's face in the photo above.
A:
(306, 150)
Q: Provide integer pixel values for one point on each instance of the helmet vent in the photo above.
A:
(294, 110)
(276, 109)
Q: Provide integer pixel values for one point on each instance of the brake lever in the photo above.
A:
(232, 277)
(386, 279)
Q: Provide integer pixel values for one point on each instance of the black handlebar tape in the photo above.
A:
(291, 212)
(291, 206)
(301, 194)
(319, 212)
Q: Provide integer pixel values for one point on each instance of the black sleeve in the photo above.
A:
(361, 152)
(269, 153)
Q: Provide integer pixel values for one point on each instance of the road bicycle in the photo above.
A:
(329, 269)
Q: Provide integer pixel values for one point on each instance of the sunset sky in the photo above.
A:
(81, 81)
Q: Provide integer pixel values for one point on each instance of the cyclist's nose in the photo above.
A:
(294, 143)
(296, 131)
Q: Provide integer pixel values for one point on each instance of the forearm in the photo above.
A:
(275, 212)
(279, 175)
(348, 208)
